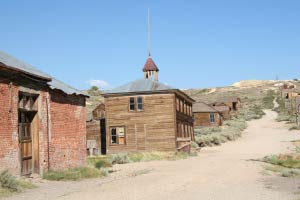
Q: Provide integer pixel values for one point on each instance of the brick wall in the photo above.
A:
(9, 145)
(62, 116)
(68, 131)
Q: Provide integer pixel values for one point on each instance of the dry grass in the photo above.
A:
(72, 174)
(123, 158)
(9, 184)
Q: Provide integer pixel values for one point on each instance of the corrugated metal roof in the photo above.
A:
(203, 107)
(142, 85)
(16, 64)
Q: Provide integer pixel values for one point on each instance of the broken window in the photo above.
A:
(117, 135)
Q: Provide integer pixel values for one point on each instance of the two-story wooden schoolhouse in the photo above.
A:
(147, 115)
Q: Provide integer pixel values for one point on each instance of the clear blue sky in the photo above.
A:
(195, 44)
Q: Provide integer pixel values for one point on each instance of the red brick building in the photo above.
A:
(42, 120)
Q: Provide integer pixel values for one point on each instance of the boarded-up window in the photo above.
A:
(177, 104)
(117, 135)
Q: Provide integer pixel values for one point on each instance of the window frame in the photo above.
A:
(212, 118)
(134, 104)
(138, 104)
(117, 136)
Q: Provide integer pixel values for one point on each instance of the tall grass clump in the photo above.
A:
(9, 184)
(286, 165)
(157, 155)
(72, 174)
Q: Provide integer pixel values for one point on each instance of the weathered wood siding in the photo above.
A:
(184, 123)
(152, 129)
(203, 119)
(226, 115)
(93, 133)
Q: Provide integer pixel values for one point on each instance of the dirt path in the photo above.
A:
(222, 172)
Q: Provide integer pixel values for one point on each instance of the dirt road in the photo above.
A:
(222, 172)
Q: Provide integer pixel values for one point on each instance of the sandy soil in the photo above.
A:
(222, 172)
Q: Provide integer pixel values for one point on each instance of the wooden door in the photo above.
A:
(25, 136)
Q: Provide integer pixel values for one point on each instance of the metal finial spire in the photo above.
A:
(149, 52)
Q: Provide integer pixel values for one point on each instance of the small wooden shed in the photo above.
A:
(233, 102)
(223, 109)
(206, 115)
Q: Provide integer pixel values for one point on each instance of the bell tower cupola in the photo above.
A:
(150, 69)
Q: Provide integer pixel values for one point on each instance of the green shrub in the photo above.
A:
(136, 157)
(294, 127)
(290, 161)
(9, 182)
(104, 172)
(72, 174)
(103, 164)
(194, 145)
(281, 118)
(290, 172)
(120, 159)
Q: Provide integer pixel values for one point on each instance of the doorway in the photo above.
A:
(28, 134)
(103, 136)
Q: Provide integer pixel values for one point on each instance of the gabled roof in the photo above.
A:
(12, 63)
(150, 65)
(142, 85)
(222, 108)
(203, 108)
(228, 99)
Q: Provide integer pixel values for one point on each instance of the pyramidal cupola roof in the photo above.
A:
(150, 65)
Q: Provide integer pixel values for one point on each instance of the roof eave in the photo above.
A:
(47, 79)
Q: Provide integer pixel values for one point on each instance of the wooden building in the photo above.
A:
(223, 109)
(206, 115)
(232, 101)
(292, 99)
(146, 115)
(42, 120)
(94, 126)
(99, 112)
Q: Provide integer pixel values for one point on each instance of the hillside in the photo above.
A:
(246, 89)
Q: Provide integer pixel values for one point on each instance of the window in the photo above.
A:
(132, 104)
(140, 103)
(117, 135)
(212, 118)
(181, 106)
(177, 104)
